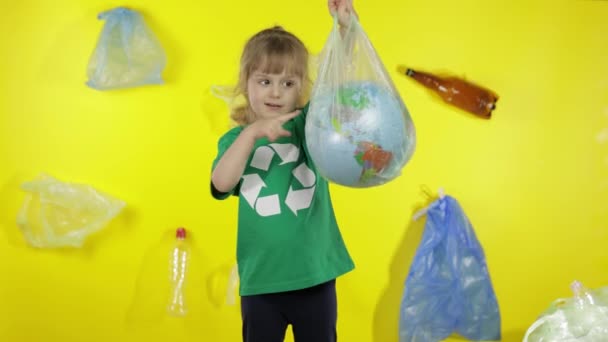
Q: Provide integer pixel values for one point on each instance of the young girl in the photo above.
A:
(289, 247)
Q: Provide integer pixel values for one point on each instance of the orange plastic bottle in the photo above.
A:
(460, 93)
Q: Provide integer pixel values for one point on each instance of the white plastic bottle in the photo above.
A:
(178, 263)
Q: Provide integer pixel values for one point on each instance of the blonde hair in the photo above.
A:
(271, 51)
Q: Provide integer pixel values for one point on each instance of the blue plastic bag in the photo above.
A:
(127, 53)
(448, 288)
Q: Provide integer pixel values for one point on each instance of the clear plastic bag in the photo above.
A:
(582, 318)
(233, 283)
(57, 214)
(215, 111)
(127, 53)
(448, 288)
(358, 130)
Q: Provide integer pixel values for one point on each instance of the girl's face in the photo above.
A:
(271, 95)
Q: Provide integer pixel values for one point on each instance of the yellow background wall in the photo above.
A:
(533, 179)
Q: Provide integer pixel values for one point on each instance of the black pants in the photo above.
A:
(312, 313)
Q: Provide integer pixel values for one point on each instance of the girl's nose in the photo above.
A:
(276, 91)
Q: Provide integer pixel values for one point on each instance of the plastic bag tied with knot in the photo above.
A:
(448, 289)
(582, 318)
(127, 53)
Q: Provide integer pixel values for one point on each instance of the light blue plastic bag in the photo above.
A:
(127, 53)
(448, 288)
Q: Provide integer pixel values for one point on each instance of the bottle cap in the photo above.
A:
(180, 233)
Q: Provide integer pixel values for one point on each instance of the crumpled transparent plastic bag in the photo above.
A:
(582, 318)
(58, 214)
(448, 289)
(215, 110)
(233, 283)
(127, 53)
(358, 130)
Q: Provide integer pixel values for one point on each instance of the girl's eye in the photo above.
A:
(289, 84)
(264, 82)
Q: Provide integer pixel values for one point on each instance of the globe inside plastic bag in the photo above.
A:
(582, 318)
(358, 130)
(58, 214)
(127, 53)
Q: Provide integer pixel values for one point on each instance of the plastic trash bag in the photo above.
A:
(230, 100)
(358, 130)
(57, 214)
(127, 53)
(448, 288)
(582, 318)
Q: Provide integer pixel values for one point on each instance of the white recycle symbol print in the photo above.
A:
(270, 205)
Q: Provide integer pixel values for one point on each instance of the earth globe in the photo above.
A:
(359, 134)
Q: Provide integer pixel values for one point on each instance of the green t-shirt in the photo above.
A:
(288, 238)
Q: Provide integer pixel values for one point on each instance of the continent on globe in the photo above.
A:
(372, 158)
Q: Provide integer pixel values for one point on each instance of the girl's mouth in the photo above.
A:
(273, 106)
